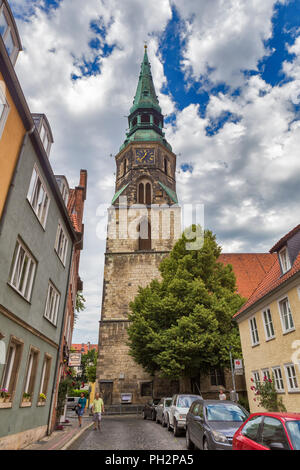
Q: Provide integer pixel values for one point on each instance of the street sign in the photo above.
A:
(126, 397)
(239, 371)
(238, 364)
(75, 359)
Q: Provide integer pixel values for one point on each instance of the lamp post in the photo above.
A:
(232, 373)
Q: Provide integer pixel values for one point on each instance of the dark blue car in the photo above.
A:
(211, 424)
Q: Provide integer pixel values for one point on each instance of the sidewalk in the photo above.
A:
(61, 440)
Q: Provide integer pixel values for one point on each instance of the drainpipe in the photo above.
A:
(54, 389)
(12, 184)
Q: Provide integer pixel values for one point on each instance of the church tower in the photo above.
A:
(143, 225)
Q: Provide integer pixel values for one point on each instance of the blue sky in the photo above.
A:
(227, 75)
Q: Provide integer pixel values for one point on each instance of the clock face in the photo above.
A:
(144, 156)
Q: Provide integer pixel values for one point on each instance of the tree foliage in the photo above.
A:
(88, 366)
(80, 305)
(183, 323)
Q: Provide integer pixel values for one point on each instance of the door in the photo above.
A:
(248, 438)
(273, 433)
(106, 389)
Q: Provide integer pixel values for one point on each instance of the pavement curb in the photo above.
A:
(74, 438)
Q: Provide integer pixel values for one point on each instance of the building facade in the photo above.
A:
(269, 325)
(144, 223)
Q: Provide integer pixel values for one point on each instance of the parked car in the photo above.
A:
(211, 424)
(269, 431)
(176, 414)
(149, 410)
(72, 402)
(161, 410)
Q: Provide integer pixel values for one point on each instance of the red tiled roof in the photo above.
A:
(249, 269)
(86, 347)
(272, 280)
(284, 239)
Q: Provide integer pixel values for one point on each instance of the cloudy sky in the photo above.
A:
(227, 73)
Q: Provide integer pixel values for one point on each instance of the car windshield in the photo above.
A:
(185, 401)
(221, 412)
(168, 402)
(294, 431)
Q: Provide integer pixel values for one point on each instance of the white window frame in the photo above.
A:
(9, 365)
(268, 323)
(286, 260)
(36, 175)
(294, 379)
(45, 138)
(53, 314)
(61, 251)
(266, 373)
(28, 278)
(6, 108)
(254, 373)
(253, 332)
(278, 380)
(9, 31)
(284, 329)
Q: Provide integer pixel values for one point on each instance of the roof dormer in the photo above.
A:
(288, 249)
(9, 31)
(44, 130)
(284, 259)
(64, 187)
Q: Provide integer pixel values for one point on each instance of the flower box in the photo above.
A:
(26, 404)
(41, 403)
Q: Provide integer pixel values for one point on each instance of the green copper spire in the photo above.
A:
(145, 120)
(145, 96)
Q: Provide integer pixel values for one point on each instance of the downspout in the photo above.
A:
(12, 184)
(60, 347)
(54, 389)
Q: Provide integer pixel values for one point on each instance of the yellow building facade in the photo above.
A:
(269, 325)
(10, 144)
(12, 129)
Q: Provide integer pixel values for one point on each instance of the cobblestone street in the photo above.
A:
(129, 433)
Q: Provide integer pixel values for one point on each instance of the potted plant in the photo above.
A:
(42, 398)
(26, 397)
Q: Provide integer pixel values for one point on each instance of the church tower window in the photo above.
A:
(145, 236)
(145, 193)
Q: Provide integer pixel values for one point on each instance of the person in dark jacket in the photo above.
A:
(81, 408)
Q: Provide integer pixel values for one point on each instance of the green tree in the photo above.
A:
(88, 361)
(80, 305)
(183, 324)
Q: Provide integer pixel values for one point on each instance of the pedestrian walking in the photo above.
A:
(97, 410)
(81, 408)
(222, 395)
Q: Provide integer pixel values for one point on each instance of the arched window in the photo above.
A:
(166, 166)
(144, 193)
(145, 236)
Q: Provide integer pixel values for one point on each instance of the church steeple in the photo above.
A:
(145, 119)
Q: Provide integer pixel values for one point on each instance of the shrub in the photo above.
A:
(267, 396)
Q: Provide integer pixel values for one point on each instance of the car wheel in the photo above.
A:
(175, 429)
(157, 420)
(164, 424)
(168, 424)
(153, 417)
(144, 415)
(189, 443)
(205, 444)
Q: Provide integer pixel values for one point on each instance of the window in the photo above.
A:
(145, 193)
(268, 324)
(284, 260)
(4, 109)
(45, 138)
(145, 236)
(8, 34)
(273, 432)
(251, 428)
(221, 412)
(61, 244)
(254, 332)
(145, 118)
(134, 122)
(31, 373)
(125, 167)
(52, 304)
(216, 376)
(23, 270)
(256, 377)
(278, 379)
(45, 375)
(38, 197)
(11, 369)
(146, 389)
(291, 378)
(286, 315)
(266, 374)
(64, 193)
(166, 166)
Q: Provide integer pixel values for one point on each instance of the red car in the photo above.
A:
(269, 431)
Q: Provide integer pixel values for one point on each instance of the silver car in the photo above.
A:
(176, 414)
(161, 410)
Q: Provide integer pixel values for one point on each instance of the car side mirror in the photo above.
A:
(277, 446)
